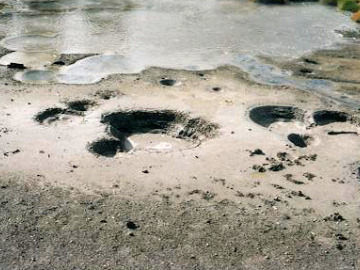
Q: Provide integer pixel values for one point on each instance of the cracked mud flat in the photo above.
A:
(246, 197)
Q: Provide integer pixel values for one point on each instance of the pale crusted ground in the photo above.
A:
(198, 207)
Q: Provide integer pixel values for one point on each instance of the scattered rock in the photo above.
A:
(283, 156)
(258, 168)
(257, 152)
(106, 94)
(208, 195)
(277, 186)
(132, 225)
(12, 152)
(340, 237)
(309, 176)
(277, 167)
(289, 177)
(335, 217)
(299, 193)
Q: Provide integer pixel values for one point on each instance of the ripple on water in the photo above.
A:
(31, 43)
(168, 31)
(36, 76)
(93, 69)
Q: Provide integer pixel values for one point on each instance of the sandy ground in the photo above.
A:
(207, 206)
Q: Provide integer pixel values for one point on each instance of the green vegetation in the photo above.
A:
(348, 5)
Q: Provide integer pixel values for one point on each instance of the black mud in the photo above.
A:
(168, 82)
(140, 122)
(80, 105)
(299, 140)
(342, 133)
(106, 94)
(177, 124)
(16, 66)
(267, 115)
(324, 117)
(123, 124)
(51, 114)
(77, 107)
(109, 147)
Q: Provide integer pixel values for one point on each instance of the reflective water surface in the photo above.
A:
(131, 35)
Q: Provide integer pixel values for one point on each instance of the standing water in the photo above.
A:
(130, 36)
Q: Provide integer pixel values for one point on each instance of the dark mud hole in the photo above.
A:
(332, 133)
(299, 140)
(49, 114)
(123, 124)
(80, 105)
(267, 115)
(324, 117)
(168, 82)
(77, 107)
(110, 147)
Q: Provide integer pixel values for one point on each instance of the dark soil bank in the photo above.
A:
(52, 228)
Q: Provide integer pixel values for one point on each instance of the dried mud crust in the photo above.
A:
(123, 124)
(45, 227)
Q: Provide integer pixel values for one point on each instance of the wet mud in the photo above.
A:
(80, 105)
(123, 124)
(76, 107)
(50, 115)
(175, 123)
(110, 147)
(332, 133)
(168, 82)
(299, 140)
(322, 118)
(267, 115)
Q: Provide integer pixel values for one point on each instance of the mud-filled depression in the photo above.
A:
(72, 108)
(126, 130)
(268, 115)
